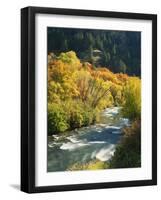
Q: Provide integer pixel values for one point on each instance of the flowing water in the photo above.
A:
(87, 143)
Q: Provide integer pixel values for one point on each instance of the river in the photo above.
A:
(87, 143)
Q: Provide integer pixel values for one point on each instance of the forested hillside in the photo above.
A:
(119, 51)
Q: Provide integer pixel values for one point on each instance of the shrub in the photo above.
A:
(128, 152)
(76, 119)
(82, 116)
(57, 119)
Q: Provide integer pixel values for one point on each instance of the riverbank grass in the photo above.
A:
(92, 165)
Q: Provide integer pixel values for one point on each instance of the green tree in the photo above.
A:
(132, 95)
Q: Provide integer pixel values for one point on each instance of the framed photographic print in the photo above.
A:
(88, 99)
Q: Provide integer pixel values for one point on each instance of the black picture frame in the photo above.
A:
(28, 98)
